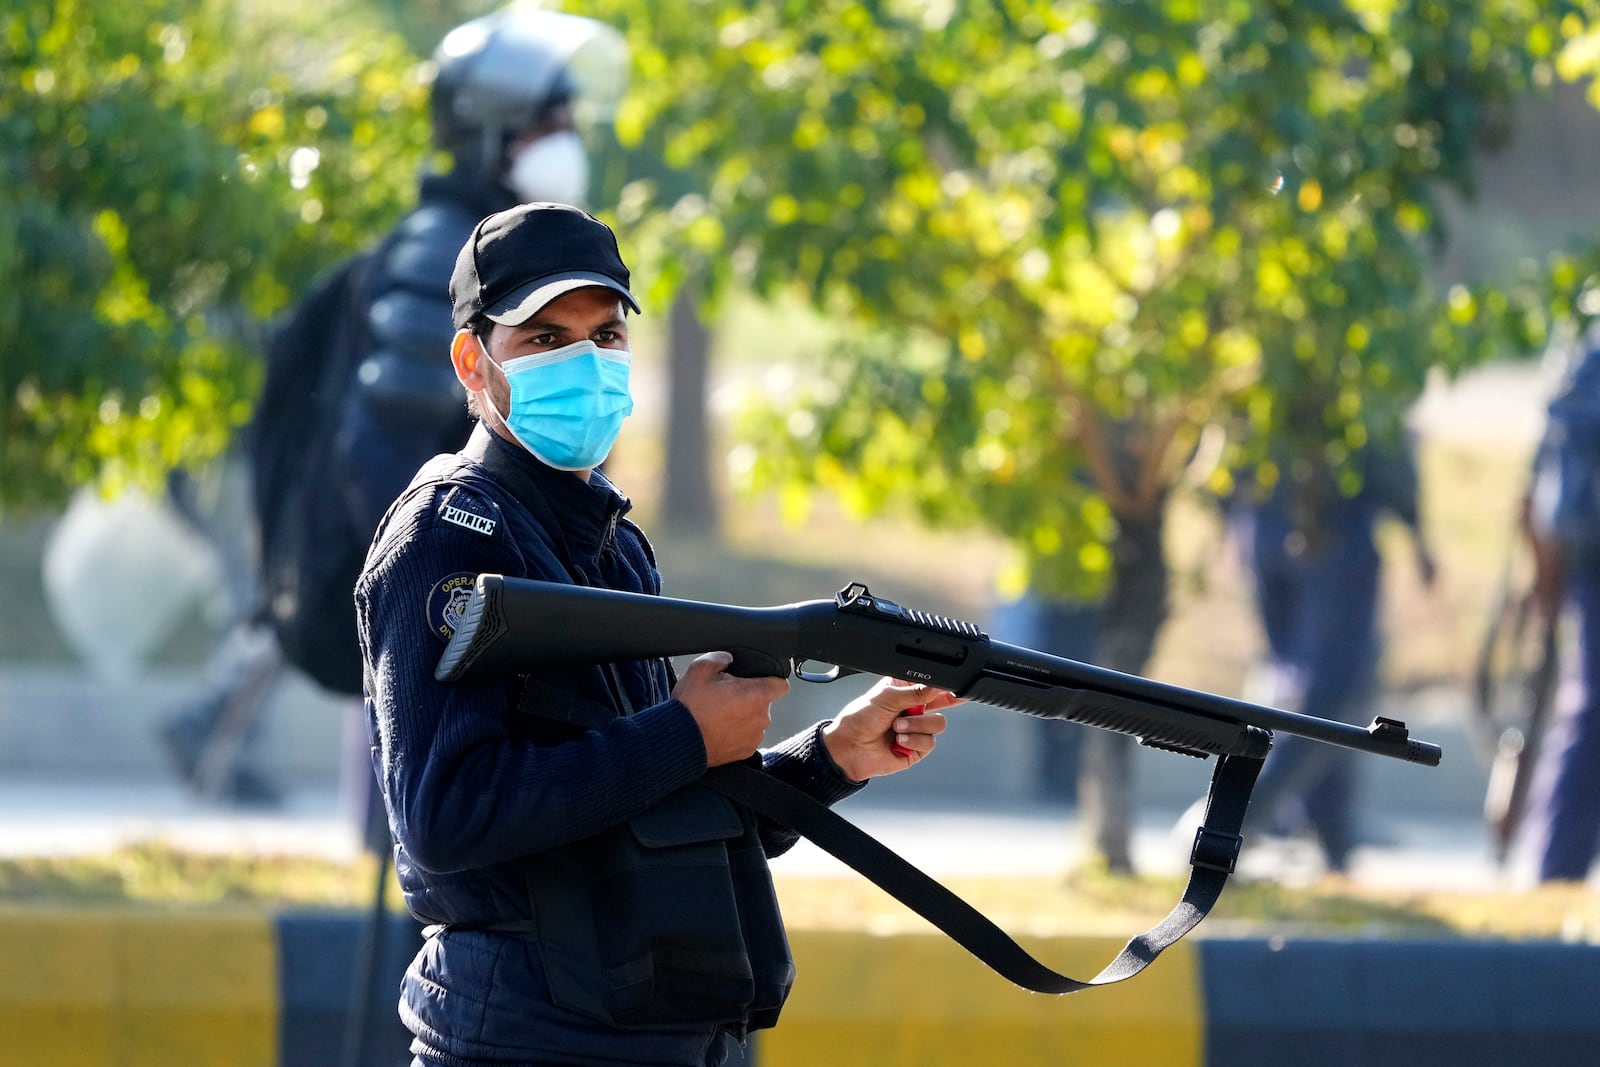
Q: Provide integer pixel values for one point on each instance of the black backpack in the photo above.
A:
(310, 549)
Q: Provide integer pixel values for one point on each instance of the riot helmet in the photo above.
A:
(503, 73)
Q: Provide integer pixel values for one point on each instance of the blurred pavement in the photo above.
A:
(60, 814)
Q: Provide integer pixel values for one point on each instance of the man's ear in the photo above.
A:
(467, 355)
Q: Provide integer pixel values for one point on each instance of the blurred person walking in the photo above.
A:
(1561, 519)
(1311, 551)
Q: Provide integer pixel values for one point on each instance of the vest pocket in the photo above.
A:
(647, 924)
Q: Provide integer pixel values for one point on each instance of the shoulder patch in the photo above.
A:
(447, 603)
(468, 511)
(476, 523)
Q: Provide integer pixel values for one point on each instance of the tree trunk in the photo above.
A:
(1134, 609)
(689, 501)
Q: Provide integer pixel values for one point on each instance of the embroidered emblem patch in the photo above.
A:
(447, 603)
(476, 523)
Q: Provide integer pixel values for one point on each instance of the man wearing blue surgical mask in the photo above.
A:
(585, 899)
(560, 385)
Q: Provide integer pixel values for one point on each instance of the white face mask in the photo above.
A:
(554, 168)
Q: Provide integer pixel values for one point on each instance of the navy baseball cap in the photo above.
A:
(520, 259)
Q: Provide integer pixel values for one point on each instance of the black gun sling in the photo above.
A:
(1212, 859)
(1216, 849)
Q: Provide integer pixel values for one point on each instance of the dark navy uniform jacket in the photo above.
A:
(596, 905)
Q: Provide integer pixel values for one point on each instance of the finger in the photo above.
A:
(913, 745)
(775, 687)
(941, 698)
(932, 698)
(914, 694)
(927, 724)
(897, 746)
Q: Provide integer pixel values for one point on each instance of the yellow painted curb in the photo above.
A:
(119, 988)
(919, 999)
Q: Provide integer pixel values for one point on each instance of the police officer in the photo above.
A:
(1561, 516)
(587, 901)
(1313, 554)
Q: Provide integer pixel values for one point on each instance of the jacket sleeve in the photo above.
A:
(803, 762)
(462, 788)
(1393, 482)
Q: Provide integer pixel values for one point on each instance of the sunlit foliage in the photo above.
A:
(172, 174)
(1062, 238)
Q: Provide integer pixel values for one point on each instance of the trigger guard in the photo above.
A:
(832, 674)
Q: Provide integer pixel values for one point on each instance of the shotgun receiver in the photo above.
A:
(511, 625)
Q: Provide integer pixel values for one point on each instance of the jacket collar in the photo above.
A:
(587, 512)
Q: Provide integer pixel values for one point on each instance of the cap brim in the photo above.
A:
(525, 302)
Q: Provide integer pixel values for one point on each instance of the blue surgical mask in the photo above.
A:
(567, 405)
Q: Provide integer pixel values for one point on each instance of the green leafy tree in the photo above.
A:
(1068, 237)
(174, 173)
(1535, 302)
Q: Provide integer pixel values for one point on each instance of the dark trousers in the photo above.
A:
(724, 1051)
(1319, 614)
(1567, 827)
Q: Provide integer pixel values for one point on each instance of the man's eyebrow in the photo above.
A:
(540, 326)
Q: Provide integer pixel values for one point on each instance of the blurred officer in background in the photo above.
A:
(1317, 570)
(1562, 520)
(506, 102)
(511, 91)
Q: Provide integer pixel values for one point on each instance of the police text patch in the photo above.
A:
(476, 523)
(447, 603)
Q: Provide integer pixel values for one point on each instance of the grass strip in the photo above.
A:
(1087, 901)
